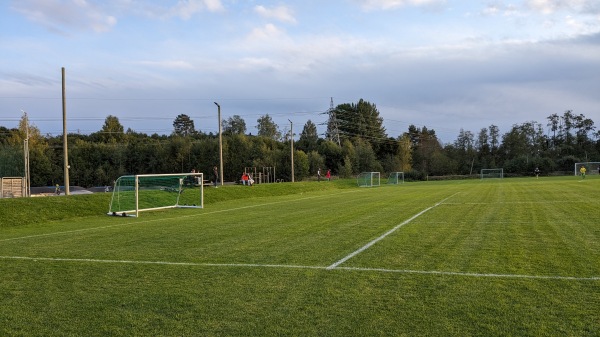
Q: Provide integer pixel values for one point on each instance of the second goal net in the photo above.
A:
(145, 192)
(492, 173)
(368, 179)
(396, 178)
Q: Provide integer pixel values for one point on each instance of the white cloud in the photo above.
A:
(214, 5)
(393, 4)
(551, 6)
(65, 15)
(281, 13)
(185, 9)
(173, 64)
(501, 9)
(543, 6)
(266, 33)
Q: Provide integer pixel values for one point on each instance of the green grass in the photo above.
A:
(500, 257)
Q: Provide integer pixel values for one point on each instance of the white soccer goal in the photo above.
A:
(396, 178)
(145, 192)
(492, 173)
(591, 167)
(368, 179)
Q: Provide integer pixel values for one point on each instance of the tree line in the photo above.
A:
(355, 141)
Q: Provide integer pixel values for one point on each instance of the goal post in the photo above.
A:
(492, 173)
(396, 178)
(146, 192)
(591, 167)
(368, 179)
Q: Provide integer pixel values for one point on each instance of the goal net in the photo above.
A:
(368, 179)
(145, 192)
(591, 167)
(492, 173)
(396, 178)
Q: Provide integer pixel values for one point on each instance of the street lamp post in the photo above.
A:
(220, 144)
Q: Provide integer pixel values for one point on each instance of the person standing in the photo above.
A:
(216, 175)
(537, 172)
(319, 174)
(328, 175)
(582, 171)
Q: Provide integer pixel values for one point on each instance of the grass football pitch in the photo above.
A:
(505, 257)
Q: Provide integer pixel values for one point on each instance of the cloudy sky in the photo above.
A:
(444, 64)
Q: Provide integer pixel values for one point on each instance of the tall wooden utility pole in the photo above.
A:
(65, 149)
(292, 146)
(220, 144)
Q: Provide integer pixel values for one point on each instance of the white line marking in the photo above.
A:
(481, 275)
(517, 202)
(282, 266)
(163, 219)
(164, 263)
(365, 247)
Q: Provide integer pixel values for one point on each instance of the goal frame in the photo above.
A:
(137, 210)
(499, 170)
(590, 166)
(396, 178)
(371, 179)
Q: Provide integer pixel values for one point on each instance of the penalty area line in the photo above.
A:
(477, 275)
(285, 266)
(368, 245)
(163, 263)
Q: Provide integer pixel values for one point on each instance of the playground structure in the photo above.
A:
(13, 187)
(267, 175)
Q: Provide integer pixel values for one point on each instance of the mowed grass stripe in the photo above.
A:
(91, 223)
(523, 238)
(381, 237)
(304, 230)
(122, 299)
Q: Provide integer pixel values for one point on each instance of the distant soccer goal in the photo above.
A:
(368, 179)
(145, 192)
(396, 178)
(591, 167)
(492, 173)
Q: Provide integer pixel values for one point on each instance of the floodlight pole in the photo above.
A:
(292, 146)
(220, 144)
